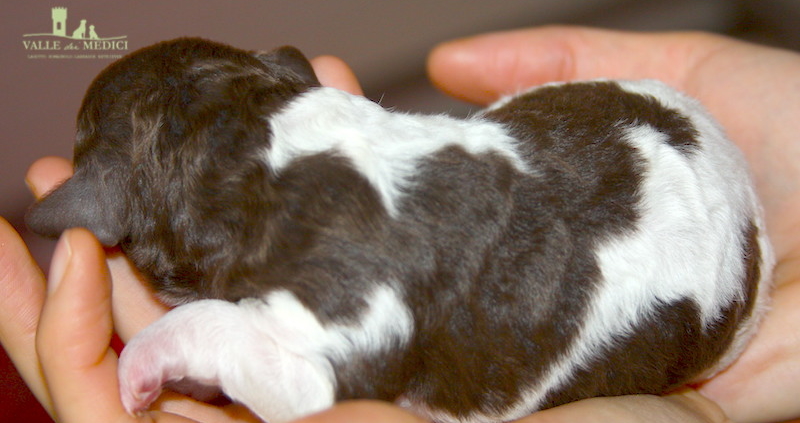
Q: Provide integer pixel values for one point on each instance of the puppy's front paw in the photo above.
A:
(270, 355)
(146, 364)
(175, 348)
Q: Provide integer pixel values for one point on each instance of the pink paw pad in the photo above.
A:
(137, 399)
(143, 370)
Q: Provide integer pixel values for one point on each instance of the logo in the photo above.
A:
(80, 42)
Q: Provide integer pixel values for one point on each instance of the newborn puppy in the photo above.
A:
(578, 240)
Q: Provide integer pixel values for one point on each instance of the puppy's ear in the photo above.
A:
(77, 202)
(291, 59)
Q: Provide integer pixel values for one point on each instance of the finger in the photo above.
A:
(47, 173)
(21, 297)
(684, 407)
(334, 72)
(481, 68)
(173, 403)
(134, 304)
(75, 331)
(363, 412)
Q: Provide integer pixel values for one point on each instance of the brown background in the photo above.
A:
(384, 41)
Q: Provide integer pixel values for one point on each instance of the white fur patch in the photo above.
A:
(729, 178)
(272, 355)
(383, 146)
(387, 320)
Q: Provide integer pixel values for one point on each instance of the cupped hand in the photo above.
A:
(754, 91)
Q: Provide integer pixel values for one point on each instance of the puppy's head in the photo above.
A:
(168, 135)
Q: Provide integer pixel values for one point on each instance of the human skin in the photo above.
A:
(752, 90)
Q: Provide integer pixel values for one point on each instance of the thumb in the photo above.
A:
(480, 69)
(75, 331)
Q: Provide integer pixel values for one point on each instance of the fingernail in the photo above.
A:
(31, 188)
(61, 259)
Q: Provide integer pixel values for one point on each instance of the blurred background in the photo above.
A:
(385, 42)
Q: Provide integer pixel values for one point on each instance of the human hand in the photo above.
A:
(58, 334)
(754, 92)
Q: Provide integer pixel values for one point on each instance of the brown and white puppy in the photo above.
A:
(578, 240)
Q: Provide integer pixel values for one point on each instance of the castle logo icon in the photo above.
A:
(82, 37)
(59, 15)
